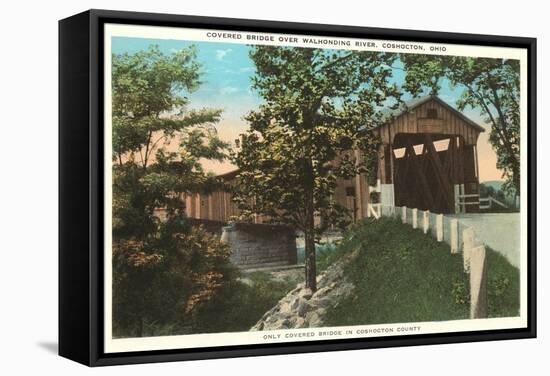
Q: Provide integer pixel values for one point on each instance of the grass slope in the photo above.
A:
(402, 275)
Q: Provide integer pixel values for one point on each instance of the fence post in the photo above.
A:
(404, 214)
(463, 193)
(426, 221)
(478, 283)
(415, 218)
(457, 198)
(454, 235)
(468, 241)
(439, 227)
(368, 211)
(371, 210)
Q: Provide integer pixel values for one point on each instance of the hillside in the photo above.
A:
(402, 275)
(384, 271)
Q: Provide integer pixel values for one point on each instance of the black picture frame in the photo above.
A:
(81, 186)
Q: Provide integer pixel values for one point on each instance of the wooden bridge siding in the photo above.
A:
(187, 200)
(214, 206)
(340, 192)
(408, 123)
(342, 198)
(385, 164)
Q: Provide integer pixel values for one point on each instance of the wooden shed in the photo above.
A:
(428, 158)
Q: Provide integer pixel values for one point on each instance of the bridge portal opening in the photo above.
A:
(435, 172)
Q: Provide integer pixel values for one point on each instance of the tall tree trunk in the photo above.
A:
(309, 232)
(311, 267)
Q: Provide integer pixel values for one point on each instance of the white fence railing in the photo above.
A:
(461, 239)
(487, 203)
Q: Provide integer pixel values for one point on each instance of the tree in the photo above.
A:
(149, 112)
(319, 106)
(490, 85)
(162, 269)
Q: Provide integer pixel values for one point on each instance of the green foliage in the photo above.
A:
(239, 305)
(491, 85)
(149, 111)
(159, 282)
(487, 190)
(496, 192)
(198, 290)
(402, 275)
(503, 286)
(461, 291)
(149, 107)
(163, 270)
(236, 307)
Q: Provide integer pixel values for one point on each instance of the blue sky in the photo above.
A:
(226, 72)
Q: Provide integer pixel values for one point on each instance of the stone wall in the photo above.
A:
(260, 245)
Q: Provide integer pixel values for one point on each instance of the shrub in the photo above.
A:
(159, 282)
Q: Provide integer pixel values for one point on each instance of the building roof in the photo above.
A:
(408, 106)
(229, 175)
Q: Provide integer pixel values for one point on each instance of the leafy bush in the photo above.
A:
(241, 303)
(159, 282)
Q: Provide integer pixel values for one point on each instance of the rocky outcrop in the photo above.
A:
(302, 309)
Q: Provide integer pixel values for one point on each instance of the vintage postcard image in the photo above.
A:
(265, 188)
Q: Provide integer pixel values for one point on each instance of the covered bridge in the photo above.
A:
(428, 158)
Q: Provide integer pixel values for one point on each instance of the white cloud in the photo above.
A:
(220, 54)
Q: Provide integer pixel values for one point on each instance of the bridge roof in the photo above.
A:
(391, 114)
